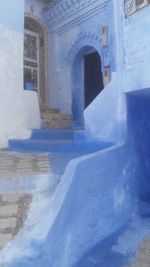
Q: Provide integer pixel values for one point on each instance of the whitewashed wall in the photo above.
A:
(16, 105)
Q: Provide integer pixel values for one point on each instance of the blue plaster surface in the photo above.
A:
(83, 220)
(70, 38)
(64, 145)
(83, 46)
(106, 117)
(99, 200)
(89, 222)
(139, 108)
(100, 210)
(50, 134)
(91, 214)
(46, 140)
(133, 48)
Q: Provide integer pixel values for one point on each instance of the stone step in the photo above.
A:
(60, 146)
(49, 110)
(8, 210)
(56, 124)
(51, 134)
(8, 223)
(55, 116)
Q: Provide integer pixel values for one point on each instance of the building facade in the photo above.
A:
(66, 37)
(88, 59)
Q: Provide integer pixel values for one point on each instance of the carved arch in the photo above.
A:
(84, 39)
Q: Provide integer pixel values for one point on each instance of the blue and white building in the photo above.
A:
(87, 62)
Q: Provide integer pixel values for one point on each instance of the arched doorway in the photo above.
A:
(35, 56)
(87, 82)
(93, 77)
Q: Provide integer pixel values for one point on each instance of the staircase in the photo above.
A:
(51, 118)
(57, 141)
(56, 136)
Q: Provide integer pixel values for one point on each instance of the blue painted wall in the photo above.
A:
(69, 38)
(136, 50)
(105, 186)
(92, 210)
(99, 193)
(132, 73)
(95, 200)
(106, 117)
(139, 125)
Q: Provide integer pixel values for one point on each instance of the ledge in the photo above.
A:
(61, 18)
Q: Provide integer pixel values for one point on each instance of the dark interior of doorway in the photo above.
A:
(93, 77)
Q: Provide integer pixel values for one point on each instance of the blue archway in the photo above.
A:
(78, 86)
(86, 43)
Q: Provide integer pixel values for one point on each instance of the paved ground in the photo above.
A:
(16, 164)
(13, 211)
(142, 258)
(14, 206)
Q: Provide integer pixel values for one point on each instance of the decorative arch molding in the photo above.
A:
(58, 11)
(41, 23)
(85, 43)
(84, 39)
(36, 25)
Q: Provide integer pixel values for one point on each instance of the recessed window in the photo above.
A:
(132, 6)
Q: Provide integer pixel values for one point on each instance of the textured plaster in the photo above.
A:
(100, 202)
(11, 96)
(67, 38)
(15, 118)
